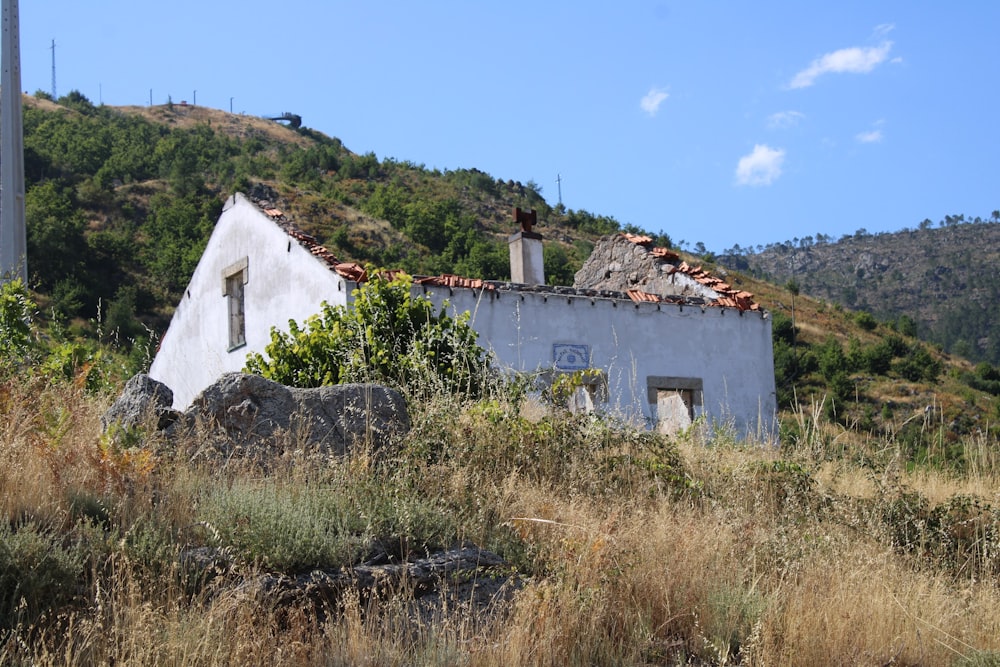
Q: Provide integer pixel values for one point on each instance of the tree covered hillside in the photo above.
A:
(120, 203)
(944, 279)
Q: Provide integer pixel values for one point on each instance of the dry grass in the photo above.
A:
(753, 555)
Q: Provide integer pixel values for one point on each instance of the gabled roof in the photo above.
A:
(726, 296)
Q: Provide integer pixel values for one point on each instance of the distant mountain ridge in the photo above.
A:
(946, 279)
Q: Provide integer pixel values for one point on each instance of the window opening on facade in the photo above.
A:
(234, 280)
(675, 402)
(581, 392)
(591, 393)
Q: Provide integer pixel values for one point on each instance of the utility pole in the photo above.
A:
(559, 185)
(230, 105)
(54, 96)
(194, 101)
(13, 237)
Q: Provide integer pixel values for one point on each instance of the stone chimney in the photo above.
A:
(526, 263)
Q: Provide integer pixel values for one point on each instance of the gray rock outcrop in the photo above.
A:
(253, 416)
(142, 400)
(466, 577)
(252, 411)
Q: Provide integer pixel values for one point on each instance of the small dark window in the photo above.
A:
(237, 311)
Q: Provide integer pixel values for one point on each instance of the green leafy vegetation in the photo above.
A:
(29, 350)
(387, 335)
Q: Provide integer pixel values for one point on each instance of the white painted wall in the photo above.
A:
(284, 282)
(730, 352)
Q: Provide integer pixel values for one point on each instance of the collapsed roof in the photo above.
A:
(622, 266)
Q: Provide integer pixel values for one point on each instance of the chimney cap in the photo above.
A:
(527, 219)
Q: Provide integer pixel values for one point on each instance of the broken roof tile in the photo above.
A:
(665, 253)
(642, 297)
(638, 240)
(352, 271)
(450, 280)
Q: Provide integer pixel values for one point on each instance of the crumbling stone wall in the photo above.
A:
(620, 264)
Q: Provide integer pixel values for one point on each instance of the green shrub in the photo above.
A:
(37, 573)
(286, 528)
(866, 320)
(918, 365)
(387, 335)
(877, 359)
(16, 311)
(831, 359)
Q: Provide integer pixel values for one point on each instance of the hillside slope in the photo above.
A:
(947, 279)
(121, 201)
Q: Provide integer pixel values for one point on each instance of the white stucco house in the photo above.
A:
(666, 343)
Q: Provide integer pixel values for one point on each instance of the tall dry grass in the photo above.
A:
(632, 549)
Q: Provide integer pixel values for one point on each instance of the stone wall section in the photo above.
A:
(620, 264)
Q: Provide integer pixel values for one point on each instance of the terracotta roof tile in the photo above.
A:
(352, 271)
(665, 253)
(450, 280)
(638, 240)
(643, 297)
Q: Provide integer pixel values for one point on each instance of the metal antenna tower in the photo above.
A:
(54, 96)
(13, 238)
(559, 185)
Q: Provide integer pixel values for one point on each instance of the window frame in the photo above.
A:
(234, 280)
(694, 387)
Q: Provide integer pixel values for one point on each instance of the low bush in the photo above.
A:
(386, 335)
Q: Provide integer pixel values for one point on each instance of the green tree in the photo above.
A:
(387, 335)
(16, 310)
(57, 248)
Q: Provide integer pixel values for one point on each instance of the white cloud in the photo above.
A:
(870, 137)
(760, 167)
(856, 60)
(784, 119)
(653, 99)
(884, 29)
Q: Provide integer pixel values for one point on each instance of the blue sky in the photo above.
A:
(722, 122)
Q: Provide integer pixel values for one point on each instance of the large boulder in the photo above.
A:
(142, 401)
(254, 412)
